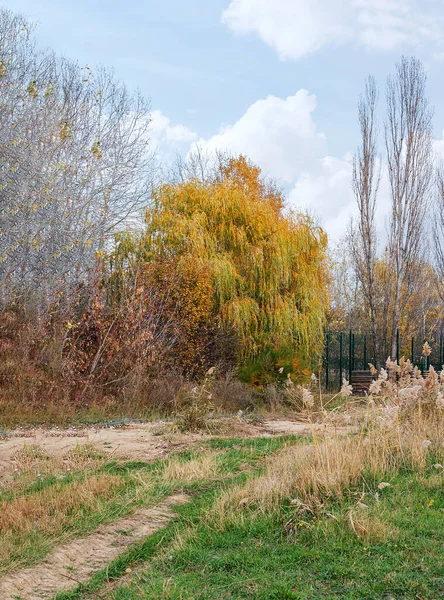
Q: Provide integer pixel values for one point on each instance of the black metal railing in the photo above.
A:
(347, 351)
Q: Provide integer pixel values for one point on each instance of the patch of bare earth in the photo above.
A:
(134, 442)
(287, 427)
(281, 427)
(141, 441)
(76, 561)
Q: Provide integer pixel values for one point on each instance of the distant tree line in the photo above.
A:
(113, 276)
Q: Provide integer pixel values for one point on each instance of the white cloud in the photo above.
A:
(278, 134)
(325, 191)
(168, 139)
(295, 28)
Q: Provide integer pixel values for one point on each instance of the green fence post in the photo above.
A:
(397, 346)
(353, 353)
(440, 352)
(413, 350)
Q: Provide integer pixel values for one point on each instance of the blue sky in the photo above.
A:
(276, 79)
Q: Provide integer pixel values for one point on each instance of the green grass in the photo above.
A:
(286, 556)
(320, 558)
(323, 560)
(142, 485)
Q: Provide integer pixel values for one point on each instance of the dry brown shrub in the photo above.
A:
(83, 351)
(161, 390)
(231, 394)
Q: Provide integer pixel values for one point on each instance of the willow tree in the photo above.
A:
(266, 265)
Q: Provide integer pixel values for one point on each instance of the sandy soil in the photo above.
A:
(144, 442)
(281, 427)
(132, 442)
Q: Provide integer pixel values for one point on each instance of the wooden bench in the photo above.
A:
(360, 382)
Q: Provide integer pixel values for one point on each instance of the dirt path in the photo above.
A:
(282, 427)
(135, 441)
(76, 561)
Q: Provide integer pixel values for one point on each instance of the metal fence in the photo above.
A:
(347, 351)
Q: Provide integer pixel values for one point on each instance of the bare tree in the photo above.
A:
(75, 162)
(199, 165)
(365, 184)
(438, 229)
(408, 140)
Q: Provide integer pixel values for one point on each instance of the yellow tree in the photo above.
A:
(266, 265)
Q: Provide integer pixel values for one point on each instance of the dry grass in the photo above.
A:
(18, 411)
(360, 520)
(183, 537)
(369, 527)
(80, 457)
(237, 426)
(33, 462)
(49, 509)
(203, 466)
(331, 467)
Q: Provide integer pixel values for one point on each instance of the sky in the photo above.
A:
(277, 80)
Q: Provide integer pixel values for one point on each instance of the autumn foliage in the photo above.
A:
(234, 265)
(216, 273)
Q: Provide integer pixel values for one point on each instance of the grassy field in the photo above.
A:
(262, 519)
